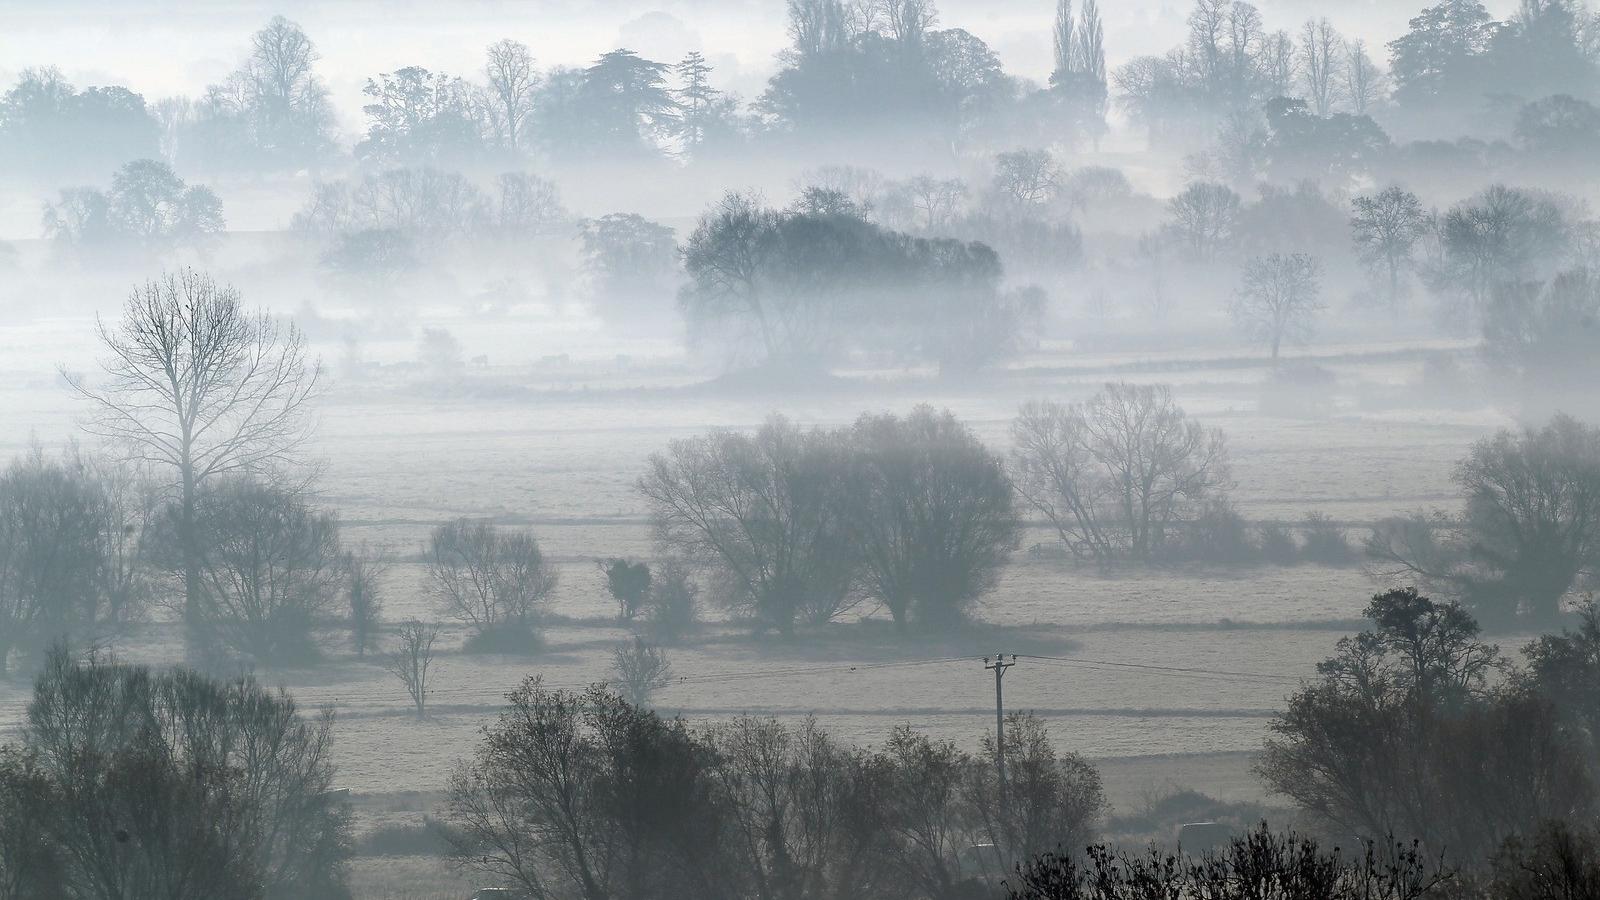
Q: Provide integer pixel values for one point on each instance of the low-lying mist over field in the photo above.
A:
(799, 449)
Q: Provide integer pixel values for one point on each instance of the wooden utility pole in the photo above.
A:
(1000, 666)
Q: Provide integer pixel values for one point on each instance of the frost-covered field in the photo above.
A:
(557, 448)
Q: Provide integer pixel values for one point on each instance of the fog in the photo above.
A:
(794, 449)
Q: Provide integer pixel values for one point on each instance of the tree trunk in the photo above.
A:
(192, 611)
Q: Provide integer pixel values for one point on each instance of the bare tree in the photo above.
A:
(1364, 82)
(639, 670)
(196, 383)
(1386, 229)
(1203, 218)
(1321, 64)
(930, 508)
(513, 86)
(1026, 178)
(271, 567)
(764, 513)
(937, 200)
(1279, 298)
(411, 662)
(1116, 473)
(487, 578)
(172, 784)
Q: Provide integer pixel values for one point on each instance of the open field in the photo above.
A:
(560, 455)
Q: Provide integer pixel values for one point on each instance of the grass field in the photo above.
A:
(560, 452)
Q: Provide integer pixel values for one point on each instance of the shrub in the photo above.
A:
(1219, 535)
(674, 608)
(509, 638)
(1277, 545)
(1325, 541)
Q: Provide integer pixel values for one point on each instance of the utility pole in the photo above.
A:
(1000, 666)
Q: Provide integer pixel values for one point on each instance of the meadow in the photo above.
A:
(1167, 676)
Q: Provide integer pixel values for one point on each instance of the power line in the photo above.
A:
(1164, 670)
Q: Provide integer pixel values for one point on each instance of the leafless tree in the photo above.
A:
(196, 383)
(1529, 533)
(1048, 800)
(930, 509)
(1026, 178)
(513, 85)
(639, 670)
(271, 567)
(71, 545)
(763, 512)
(936, 200)
(1114, 474)
(1279, 298)
(172, 784)
(411, 662)
(1386, 228)
(488, 578)
(1364, 82)
(1321, 64)
(1203, 218)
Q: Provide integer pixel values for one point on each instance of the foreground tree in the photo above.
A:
(195, 383)
(1278, 298)
(170, 784)
(1115, 474)
(930, 509)
(1404, 734)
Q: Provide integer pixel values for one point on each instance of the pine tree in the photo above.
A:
(1066, 43)
(696, 99)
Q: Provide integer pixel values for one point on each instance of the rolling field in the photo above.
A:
(1109, 656)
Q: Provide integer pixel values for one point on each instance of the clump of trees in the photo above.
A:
(494, 581)
(1418, 729)
(1120, 475)
(129, 782)
(1528, 535)
(912, 513)
(807, 284)
(148, 208)
(271, 114)
(50, 129)
(586, 792)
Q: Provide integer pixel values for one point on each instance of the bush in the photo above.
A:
(509, 638)
(429, 838)
(1325, 541)
(1277, 545)
(673, 604)
(1219, 535)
